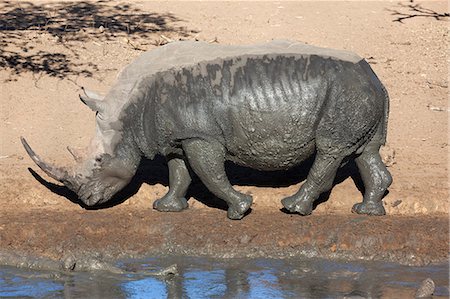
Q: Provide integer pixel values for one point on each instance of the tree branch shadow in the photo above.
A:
(67, 24)
(416, 10)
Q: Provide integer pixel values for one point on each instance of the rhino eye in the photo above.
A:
(98, 159)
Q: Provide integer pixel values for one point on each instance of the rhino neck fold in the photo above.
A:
(139, 117)
(127, 151)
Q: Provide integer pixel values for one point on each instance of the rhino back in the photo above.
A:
(188, 53)
(185, 54)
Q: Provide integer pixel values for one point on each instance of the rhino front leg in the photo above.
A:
(179, 181)
(320, 179)
(207, 159)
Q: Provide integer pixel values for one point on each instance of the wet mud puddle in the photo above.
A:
(228, 278)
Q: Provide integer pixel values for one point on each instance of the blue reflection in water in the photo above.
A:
(147, 288)
(264, 284)
(204, 284)
(232, 278)
(14, 286)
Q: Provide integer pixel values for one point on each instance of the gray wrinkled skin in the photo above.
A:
(267, 106)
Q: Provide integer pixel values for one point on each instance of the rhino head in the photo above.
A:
(108, 163)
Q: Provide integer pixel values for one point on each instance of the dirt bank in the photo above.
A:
(124, 232)
(50, 49)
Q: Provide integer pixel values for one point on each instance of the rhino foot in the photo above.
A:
(294, 205)
(369, 208)
(170, 204)
(237, 211)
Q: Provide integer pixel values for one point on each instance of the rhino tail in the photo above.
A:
(381, 132)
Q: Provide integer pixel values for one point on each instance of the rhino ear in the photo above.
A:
(92, 100)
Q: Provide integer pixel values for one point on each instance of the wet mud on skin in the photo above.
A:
(229, 278)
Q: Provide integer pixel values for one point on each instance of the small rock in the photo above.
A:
(172, 270)
(69, 263)
(426, 289)
(396, 203)
(101, 29)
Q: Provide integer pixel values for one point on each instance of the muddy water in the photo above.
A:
(228, 278)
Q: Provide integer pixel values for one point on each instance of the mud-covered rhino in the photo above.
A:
(267, 106)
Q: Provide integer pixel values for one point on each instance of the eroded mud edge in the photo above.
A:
(95, 240)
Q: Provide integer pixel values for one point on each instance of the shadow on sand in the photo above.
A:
(156, 172)
(416, 11)
(66, 23)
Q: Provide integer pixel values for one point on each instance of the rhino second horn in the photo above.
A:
(76, 154)
(57, 173)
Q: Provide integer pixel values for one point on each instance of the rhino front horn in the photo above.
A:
(57, 173)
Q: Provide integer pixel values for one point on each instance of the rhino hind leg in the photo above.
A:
(376, 179)
(179, 181)
(320, 179)
(207, 159)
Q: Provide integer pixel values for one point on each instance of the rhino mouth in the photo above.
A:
(93, 192)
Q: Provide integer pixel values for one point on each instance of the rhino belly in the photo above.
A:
(271, 141)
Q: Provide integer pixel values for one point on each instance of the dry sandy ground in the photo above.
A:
(48, 50)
